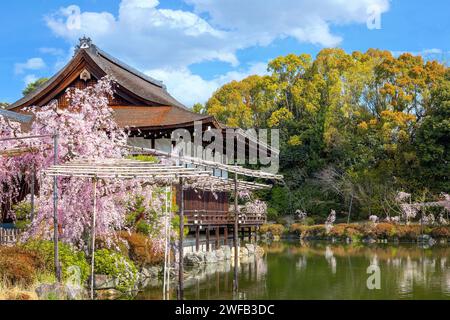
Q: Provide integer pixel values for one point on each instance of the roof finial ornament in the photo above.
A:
(84, 43)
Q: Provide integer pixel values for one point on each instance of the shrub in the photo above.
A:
(440, 232)
(384, 230)
(309, 221)
(317, 231)
(274, 229)
(19, 266)
(143, 227)
(22, 210)
(142, 250)
(297, 228)
(68, 258)
(408, 232)
(343, 231)
(272, 213)
(117, 266)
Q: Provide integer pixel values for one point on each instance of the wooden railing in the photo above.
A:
(216, 218)
(9, 236)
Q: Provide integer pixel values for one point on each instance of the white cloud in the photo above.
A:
(151, 37)
(166, 42)
(305, 20)
(30, 64)
(190, 88)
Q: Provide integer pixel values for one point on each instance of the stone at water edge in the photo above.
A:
(220, 255)
(150, 272)
(210, 257)
(60, 292)
(192, 259)
(259, 251)
(226, 251)
(250, 248)
(104, 282)
(243, 252)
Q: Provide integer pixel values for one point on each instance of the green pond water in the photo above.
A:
(294, 271)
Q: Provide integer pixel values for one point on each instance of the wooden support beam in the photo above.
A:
(236, 238)
(197, 238)
(207, 239)
(181, 244)
(225, 235)
(217, 237)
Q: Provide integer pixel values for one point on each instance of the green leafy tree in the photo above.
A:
(31, 87)
(355, 128)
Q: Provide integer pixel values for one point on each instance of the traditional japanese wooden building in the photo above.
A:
(144, 106)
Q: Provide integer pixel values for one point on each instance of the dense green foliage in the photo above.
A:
(34, 85)
(118, 266)
(71, 260)
(355, 128)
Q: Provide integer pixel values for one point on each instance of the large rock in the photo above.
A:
(210, 257)
(243, 252)
(150, 272)
(250, 248)
(226, 252)
(104, 282)
(220, 255)
(58, 291)
(193, 259)
(259, 251)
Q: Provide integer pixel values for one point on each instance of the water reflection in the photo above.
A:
(324, 271)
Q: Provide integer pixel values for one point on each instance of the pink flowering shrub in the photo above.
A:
(86, 130)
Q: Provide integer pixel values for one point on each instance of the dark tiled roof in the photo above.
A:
(22, 118)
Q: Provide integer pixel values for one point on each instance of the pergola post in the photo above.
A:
(217, 238)
(236, 238)
(207, 238)
(197, 238)
(225, 235)
(94, 214)
(181, 249)
(55, 211)
(32, 190)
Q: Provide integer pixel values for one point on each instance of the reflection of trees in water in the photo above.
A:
(215, 281)
(403, 267)
(327, 271)
(331, 259)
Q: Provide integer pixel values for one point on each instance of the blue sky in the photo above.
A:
(195, 46)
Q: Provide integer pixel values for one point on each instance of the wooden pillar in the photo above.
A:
(217, 237)
(225, 235)
(94, 182)
(207, 238)
(197, 238)
(181, 244)
(236, 238)
(32, 191)
(55, 212)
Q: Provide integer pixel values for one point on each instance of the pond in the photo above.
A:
(293, 270)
